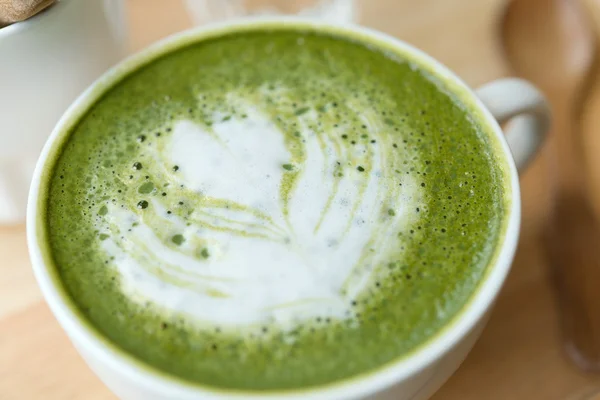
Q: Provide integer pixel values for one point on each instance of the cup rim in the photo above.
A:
(364, 384)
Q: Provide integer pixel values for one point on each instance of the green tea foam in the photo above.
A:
(275, 209)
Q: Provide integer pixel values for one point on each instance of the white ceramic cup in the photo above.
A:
(45, 63)
(413, 377)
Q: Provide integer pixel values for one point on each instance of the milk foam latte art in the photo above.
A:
(277, 228)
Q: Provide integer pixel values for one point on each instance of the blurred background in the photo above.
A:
(543, 338)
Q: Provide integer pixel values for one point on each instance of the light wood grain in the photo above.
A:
(519, 356)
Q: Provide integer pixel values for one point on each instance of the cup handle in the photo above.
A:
(521, 103)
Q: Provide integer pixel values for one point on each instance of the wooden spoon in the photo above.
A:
(12, 11)
(552, 44)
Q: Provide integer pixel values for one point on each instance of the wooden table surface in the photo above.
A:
(519, 356)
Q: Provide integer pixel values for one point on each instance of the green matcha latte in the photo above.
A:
(275, 208)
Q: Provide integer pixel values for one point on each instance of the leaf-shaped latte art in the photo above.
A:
(258, 223)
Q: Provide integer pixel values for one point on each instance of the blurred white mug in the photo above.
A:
(45, 63)
(334, 11)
